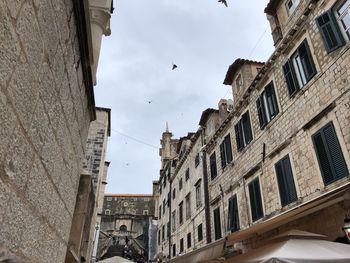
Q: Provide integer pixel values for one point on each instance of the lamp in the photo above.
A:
(346, 228)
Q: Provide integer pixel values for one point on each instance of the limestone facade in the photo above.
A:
(46, 106)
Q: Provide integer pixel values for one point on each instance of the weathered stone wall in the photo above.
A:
(291, 130)
(44, 116)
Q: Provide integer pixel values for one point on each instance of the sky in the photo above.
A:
(135, 77)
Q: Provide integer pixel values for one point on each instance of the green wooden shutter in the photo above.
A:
(261, 112)
(255, 200)
(223, 156)
(228, 148)
(271, 100)
(239, 138)
(289, 74)
(306, 60)
(330, 32)
(285, 181)
(213, 168)
(246, 128)
(217, 223)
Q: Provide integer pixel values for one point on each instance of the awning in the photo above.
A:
(333, 197)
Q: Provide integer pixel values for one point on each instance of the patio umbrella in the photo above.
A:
(115, 260)
(297, 249)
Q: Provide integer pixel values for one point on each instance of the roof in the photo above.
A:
(271, 6)
(233, 68)
(128, 195)
(205, 115)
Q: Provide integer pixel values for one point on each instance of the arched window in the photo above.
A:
(123, 228)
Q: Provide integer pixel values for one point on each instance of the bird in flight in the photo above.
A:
(223, 1)
(150, 101)
(174, 66)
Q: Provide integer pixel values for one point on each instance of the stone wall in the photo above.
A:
(45, 115)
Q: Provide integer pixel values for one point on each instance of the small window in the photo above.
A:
(285, 181)
(145, 212)
(255, 199)
(243, 131)
(198, 195)
(173, 225)
(233, 219)
(188, 206)
(291, 5)
(159, 236)
(299, 69)
(163, 232)
(174, 250)
(189, 240)
(200, 232)
(329, 154)
(174, 193)
(181, 213)
(226, 151)
(239, 82)
(180, 184)
(164, 205)
(187, 174)
(109, 199)
(160, 211)
(123, 228)
(107, 212)
(217, 224)
(213, 168)
(196, 160)
(181, 245)
(266, 105)
(168, 230)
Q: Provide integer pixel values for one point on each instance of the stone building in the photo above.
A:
(280, 158)
(126, 222)
(48, 50)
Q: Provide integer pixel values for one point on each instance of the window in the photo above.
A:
(174, 250)
(160, 187)
(213, 169)
(164, 205)
(173, 223)
(189, 243)
(343, 17)
(160, 212)
(217, 223)
(164, 182)
(123, 228)
(188, 206)
(291, 5)
(233, 219)
(180, 184)
(181, 245)
(145, 212)
(168, 230)
(255, 199)
(266, 105)
(196, 160)
(200, 232)
(285, 181)
(198, 194)
(163, 232)
(168, 200)
(159, 236)
(299, 69)
(243, 132)
(226, 151)
(239, 82)
(174, 193)
(187, 174)
(329, 154)
(109, 198)
(181, 213)
(107, 212)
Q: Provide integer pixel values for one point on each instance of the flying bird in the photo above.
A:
(150, 101)
(174, 66)
(223, 1)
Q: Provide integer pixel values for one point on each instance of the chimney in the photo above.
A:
(223, 109)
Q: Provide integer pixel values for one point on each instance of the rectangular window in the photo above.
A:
(160, 212)
(217, 223)
(198, 195)
(285, 181)
(196, 160)
(168, 200)
(299, 69)
(226, 151)
(329, 154)
(163, 232)
(243, 131)
(180, 184)
(213, 169)
(343, 17)
(291, 5)
(168, 230)
(159, 236)
(174, 250)
(173, 224)
(187, 174)
(109, 198)
(174, 193)
(181, 213)
(107, 212)
(164, 205)
(200, 232)
(255, 199)
(266, 105)
(181, 245)
(233, 219)
(189, 239)
(188, 206)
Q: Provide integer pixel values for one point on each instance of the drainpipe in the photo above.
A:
(206, 188)
(170, 197)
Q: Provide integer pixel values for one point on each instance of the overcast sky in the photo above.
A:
(202, 37)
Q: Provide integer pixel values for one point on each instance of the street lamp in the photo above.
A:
(346, 228)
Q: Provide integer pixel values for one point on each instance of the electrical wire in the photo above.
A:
(257, 43)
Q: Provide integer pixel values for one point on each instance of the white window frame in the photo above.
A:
(340, 16)
(299, 70)
(107, 212)
(291, 9)
(198, 195)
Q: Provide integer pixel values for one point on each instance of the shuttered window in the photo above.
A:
(213, 168)
(330, 32)
(233, 219)
(200, 232)
(181, 245)
(181, 213)
(290, 77)
(255, 199)
(266, 105)
(329, 154)
(226, 151)
(243, 131)
(217, 223)
(189, 239)
(285, 181)
(174, 250)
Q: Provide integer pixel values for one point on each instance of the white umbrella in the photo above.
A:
(115, 260)
(298, 249)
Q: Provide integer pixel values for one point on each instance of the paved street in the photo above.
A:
(115, 260)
